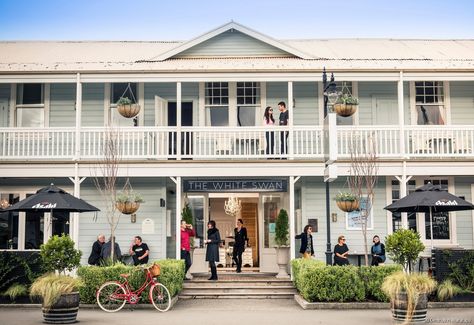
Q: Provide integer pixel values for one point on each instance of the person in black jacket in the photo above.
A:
(95, 257)
(240, 237)
(212, 250)
(377, 251)
(307, 247)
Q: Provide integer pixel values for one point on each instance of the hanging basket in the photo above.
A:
(128, 110)
(348, 206)
(127, 207)
(345, 110)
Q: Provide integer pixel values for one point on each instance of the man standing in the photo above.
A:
(187, 232)
(284, 116)
(94, 258)
(139, 251)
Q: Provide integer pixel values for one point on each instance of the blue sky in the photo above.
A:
(185, 19)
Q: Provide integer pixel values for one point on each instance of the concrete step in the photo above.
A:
(235, 287)
(196, 294)
(236, 284)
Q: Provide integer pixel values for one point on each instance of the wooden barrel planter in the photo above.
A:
(399, 308)
(127, 207)
(64, 311)
(128, 110)
(348, 206)
(345, 110)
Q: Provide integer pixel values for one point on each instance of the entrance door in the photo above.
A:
(270, 205)
(4, 113)
(385, 110)
(186, 120)
(248, 215)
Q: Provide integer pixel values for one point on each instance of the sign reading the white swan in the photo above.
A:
(226, 185)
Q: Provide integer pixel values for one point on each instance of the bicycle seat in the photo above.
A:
(125, 275)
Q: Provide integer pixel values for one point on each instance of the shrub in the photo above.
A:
(300, 263)
(463, 271)
(281, 228)
(16, 290)
(172, 275)
(373, 277)
(330, 283)
(19, 267)
(403, 247)
(51, 286)
(59, 254)
(446, 290)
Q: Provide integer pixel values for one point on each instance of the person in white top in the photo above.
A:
(268, 120)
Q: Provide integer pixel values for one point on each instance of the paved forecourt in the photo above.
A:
(238, 312)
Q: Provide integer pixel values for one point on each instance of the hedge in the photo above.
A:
(172, 275)
(317, 282)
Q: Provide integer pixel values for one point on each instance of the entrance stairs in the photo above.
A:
(238, 286)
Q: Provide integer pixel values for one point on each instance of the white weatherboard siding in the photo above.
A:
(151, 190)
(462, 102)
(232, 43)
(369, 92)
(62, 108)
(305, 96)
(314, 206)
(92, 105)
(464, 218)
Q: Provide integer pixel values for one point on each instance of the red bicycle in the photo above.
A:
(113, 295)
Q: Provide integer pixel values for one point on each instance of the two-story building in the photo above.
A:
(200, 138)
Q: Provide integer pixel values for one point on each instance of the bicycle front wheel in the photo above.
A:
(111, 297)
(160, 297)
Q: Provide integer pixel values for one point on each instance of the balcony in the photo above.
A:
(234, 143)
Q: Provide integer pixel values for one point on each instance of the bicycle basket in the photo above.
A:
(155, 270)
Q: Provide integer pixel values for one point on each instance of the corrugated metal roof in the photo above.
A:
(350, 54)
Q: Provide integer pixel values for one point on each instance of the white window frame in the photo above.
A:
(370, 218)
(232, 105)
(208, 105)
(42, 107)
(48, 229)
(420, 217)
(258, 100)
(445, 104)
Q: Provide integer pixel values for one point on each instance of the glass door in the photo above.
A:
(270, 205)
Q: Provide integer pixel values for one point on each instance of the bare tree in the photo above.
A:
(105, 179)
(363, 177)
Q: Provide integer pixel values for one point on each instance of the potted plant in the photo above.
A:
(281, 240)
(58, 292)
(408, 295)
(128, 202)
(408, 292)
(127, 108)
(346, 105)
(347, 201)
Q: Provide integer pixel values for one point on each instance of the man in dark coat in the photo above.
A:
(94, 258)
(240, 239)
(212, 251)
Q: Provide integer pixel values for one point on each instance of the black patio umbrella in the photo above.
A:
(430, 198)
(51, 199)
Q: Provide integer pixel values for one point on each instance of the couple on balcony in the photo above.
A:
(269, 120)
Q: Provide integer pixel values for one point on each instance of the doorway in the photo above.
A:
(186, 120)
(226, 224)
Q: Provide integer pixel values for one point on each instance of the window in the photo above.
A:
(34, 230)
(354, 219)
(30, 105)
(118, 90)
(8, 222)
(248, 99)
(429, 98)
(122, 90)
(440, 219)
(271, 208)
(217, 103)
(397, 216)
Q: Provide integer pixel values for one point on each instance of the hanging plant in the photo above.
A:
(346, 104)
(127, 108)
(347, 201)
(128, 201)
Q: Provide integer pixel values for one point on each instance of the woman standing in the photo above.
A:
(377, 251)
(306, 248)
(212, 250)
(240, 237)
(341, 251)
(269, 121)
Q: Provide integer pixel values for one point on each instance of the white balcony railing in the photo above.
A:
(304, 142)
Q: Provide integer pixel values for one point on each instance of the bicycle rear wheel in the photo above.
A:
(111, 297)
(160, 297)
